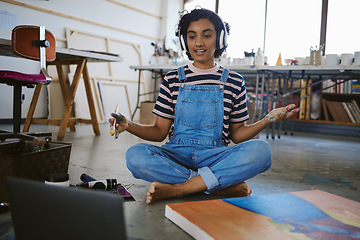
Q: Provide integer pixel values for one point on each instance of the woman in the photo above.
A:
(201, 106)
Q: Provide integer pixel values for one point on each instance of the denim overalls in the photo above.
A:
(196, 147)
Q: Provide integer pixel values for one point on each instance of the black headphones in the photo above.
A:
(221, 39)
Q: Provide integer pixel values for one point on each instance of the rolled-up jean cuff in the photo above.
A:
(193, 174)
(209, 178)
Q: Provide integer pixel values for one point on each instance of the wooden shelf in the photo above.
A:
(333, 110)
(326, 122)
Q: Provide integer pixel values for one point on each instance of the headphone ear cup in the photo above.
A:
(221, 39)
(225, 39)
(183, 43)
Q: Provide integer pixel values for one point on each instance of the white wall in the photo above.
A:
(86, 16)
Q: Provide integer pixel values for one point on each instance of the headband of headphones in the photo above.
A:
(221, 38)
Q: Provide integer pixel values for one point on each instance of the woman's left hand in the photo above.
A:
(279, 114)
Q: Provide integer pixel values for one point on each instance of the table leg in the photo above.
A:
(32, 107)
(70, 99)
(64, 89)
(90, 100)
(285, 98)
(267, 103)
(262, 101)
(138, 97)
(272, 103)
(256, 98)
(278, 99)
(17, 95)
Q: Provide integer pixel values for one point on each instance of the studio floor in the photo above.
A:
(304, 161)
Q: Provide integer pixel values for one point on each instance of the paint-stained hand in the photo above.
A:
(279, 114)
(121, 124)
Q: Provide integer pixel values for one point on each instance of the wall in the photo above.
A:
(139, 23)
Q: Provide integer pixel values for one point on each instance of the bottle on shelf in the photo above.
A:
(279, 60)
(259, 58)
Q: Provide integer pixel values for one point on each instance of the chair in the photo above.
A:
(35, 43)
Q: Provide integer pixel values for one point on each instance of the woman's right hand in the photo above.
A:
(118, 124)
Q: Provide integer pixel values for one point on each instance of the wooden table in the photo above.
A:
(66, 57)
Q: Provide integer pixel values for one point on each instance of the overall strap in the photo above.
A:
(181, 73)
(224, 75)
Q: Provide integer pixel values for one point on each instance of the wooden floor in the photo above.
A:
(304, 161)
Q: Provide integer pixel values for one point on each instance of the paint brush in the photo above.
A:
(112, 129)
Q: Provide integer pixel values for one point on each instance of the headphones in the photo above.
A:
(221, 39)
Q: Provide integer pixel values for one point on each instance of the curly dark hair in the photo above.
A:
(196, 14)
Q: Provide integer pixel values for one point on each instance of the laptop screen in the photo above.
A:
(41, 211)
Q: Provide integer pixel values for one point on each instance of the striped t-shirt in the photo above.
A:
(235, 109)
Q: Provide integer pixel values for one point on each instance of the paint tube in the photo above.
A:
(107, 184)
(86, 178)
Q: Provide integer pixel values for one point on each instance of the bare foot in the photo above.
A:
(238, 190)
(159, 191)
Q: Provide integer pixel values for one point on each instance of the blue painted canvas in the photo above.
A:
(300, 215)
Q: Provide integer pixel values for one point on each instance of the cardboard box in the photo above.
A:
(146, 115)
(251, 111)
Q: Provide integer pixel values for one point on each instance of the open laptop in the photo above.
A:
(41, 211)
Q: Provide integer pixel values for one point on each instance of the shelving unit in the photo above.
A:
(323, 125)
(340, 108)
(326, 102)
(283, 86)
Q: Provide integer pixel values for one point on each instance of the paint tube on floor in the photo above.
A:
(107, 184)
(123, 192)
(87, 178)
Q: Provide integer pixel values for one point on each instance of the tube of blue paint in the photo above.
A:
(86, 178)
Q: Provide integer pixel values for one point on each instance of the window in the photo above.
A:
(343, 35)
(292, 26)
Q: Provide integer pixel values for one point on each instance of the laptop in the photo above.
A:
(41, 211)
